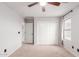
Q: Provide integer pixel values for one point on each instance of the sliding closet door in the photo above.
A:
(47, 32)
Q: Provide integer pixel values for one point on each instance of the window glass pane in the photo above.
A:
(67, 29)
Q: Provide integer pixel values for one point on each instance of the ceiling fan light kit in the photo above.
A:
(44, 3)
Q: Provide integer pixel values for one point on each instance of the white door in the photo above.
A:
(29, 33)
(47, 32)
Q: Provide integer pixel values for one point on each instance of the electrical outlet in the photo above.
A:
(18, 32)
(77, 50)
(72, 47)
(5, 50)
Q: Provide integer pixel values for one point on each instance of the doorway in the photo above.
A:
(29, 30)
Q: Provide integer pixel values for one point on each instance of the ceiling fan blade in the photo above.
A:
(43, 9)
(54, 3)
(30, 5)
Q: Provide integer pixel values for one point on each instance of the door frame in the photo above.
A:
(30, 20)
(33, 31)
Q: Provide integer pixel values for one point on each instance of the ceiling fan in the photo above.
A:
(43, 8)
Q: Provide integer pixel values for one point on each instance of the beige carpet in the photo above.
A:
(41, 51)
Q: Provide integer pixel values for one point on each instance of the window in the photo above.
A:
(67, 29)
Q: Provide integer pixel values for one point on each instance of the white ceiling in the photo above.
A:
(36, 11)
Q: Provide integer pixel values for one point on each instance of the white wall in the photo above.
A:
(37, 34)
(10, 25)
(75, 32)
